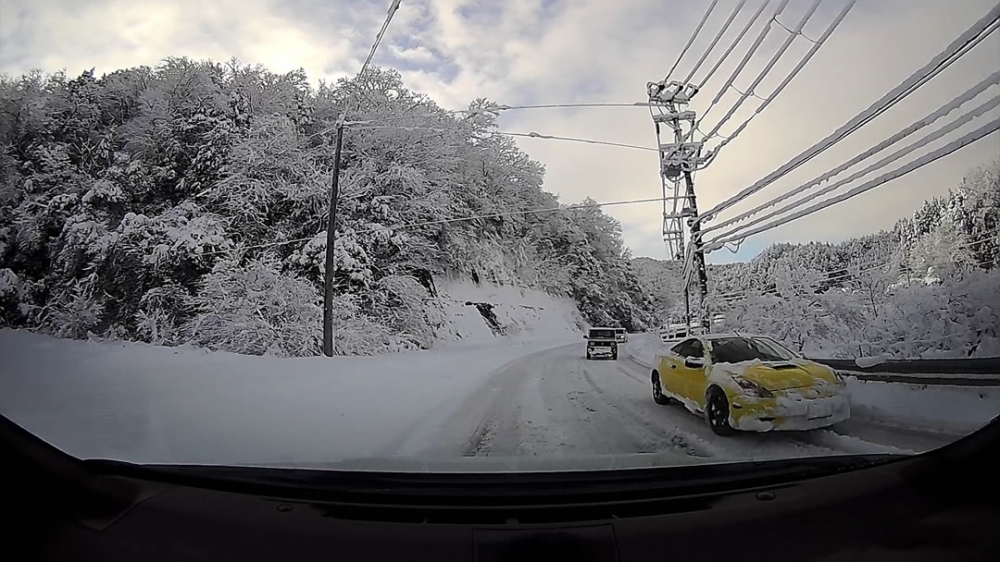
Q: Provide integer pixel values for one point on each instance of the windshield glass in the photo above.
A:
(735, 350)
(261, 236)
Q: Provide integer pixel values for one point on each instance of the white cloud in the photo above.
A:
(538, 51)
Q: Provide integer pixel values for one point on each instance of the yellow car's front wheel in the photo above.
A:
(717, 411)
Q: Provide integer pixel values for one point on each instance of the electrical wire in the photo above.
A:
(968, 95)
(694, 35)
(406, 226)
(965, 140)
(746, 58)
(718, 36)
(496, 109)
(979, 111)
(533, 135)
(968, 40)
(791, 75)
(378, 38)
(767, 68)
(735, 42)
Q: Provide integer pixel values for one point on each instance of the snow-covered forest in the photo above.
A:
(187, 203)
(929, 287)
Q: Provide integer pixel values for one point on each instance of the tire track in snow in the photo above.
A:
(666, 433)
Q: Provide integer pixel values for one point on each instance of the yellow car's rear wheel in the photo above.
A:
(658, 396)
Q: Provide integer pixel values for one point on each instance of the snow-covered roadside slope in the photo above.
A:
(520, 314)
(950, 410)
(150, 404)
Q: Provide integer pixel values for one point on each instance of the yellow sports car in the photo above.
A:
(749, 383)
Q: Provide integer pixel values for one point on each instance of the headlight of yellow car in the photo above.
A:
(753, 388)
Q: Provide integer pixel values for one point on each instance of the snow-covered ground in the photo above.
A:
(537, 398)
(152, 404)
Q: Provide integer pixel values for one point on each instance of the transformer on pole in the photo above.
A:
(680, 157)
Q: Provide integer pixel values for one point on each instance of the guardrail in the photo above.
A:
(956, 372)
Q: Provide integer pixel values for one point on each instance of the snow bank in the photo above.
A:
(150, 404)
(866, 362)
(950, 410)
(644, 348)
(520, 314)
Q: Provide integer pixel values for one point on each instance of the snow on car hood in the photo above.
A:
(776, 375)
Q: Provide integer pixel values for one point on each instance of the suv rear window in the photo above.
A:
(602, 334)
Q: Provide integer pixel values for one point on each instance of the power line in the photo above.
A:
(969, 39)
(970, 94)
(697, 30)
(406, 226)
(533, 135)
(735, 42)
(739, 68)
(497, 109)
(718, 36)
(979, 111)
(767, 68)
(750, 90)
(378, 38)
(791, 75)
(884, 178)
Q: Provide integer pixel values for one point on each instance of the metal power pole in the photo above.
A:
(678, 161)
(331, 238)
(699, 254)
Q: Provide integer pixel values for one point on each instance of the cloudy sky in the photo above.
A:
(560, 51)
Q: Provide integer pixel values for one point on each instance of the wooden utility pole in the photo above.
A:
(331, 238)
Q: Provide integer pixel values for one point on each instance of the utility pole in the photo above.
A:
(331, 238)
(699, 254)
(678, 161)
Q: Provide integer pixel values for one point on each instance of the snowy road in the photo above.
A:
(506, 400)
(555, 403)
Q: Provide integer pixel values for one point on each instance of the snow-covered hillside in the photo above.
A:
(481, 312)
(203, 216)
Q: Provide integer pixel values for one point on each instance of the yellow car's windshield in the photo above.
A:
(736, 349)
